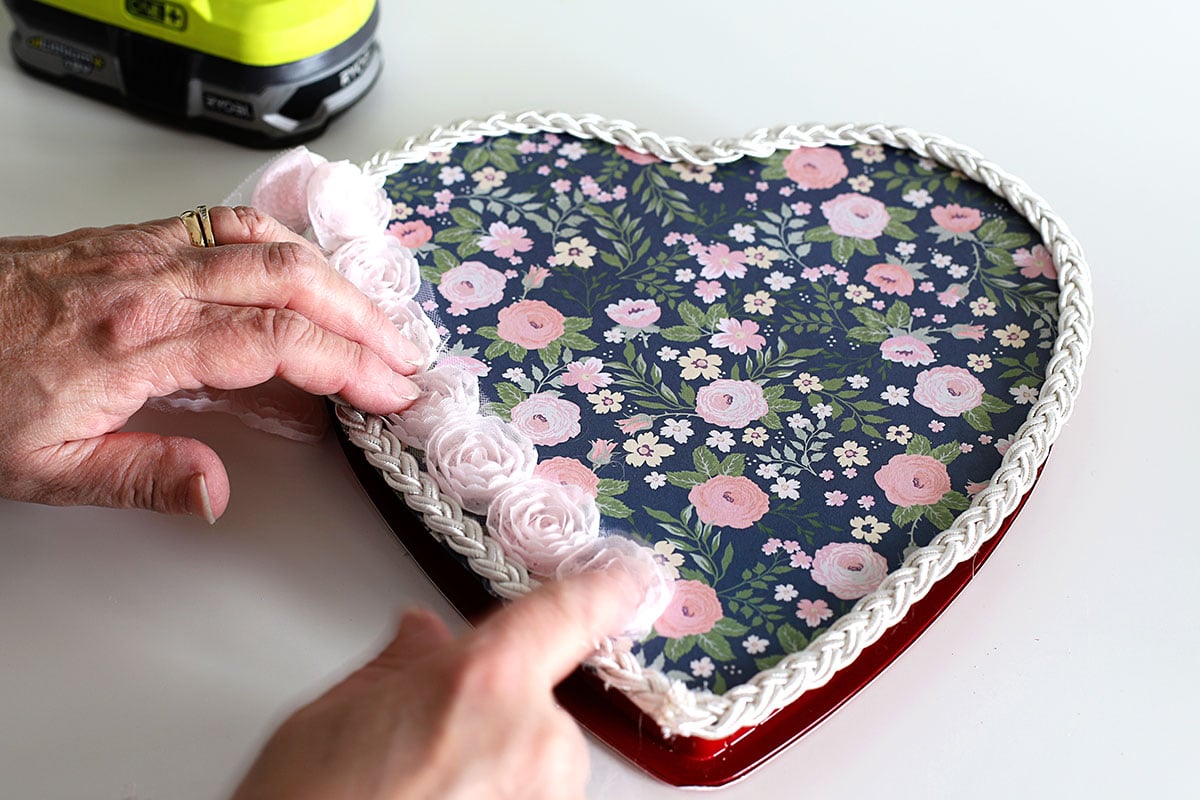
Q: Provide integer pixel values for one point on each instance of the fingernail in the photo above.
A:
(404, 388)
(199, 503)
(410, 354)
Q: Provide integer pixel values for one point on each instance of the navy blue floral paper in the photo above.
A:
(781, 374)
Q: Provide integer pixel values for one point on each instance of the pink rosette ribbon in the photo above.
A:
(542, 523)
(382, 269)
(344, 203)
(617, 552)
(274, 407)
(446, 393)
(282, 189)
(418, 329)
(475, 458)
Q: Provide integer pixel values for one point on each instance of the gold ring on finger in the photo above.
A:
(192, 224)
(199, 227)
(206, 229)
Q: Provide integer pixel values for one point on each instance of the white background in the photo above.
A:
(145, 657)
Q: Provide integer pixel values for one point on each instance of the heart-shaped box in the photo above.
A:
(816, 369)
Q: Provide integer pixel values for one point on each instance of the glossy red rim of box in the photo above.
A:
(613, 718)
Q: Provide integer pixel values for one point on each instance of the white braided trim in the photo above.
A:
(679, 710)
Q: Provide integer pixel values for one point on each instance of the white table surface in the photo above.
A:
(145, 657)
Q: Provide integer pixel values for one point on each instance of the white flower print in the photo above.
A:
(786, 592)
(678, 429)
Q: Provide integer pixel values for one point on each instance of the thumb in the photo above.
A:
(420, 633)
(559, 624)
(169, 474)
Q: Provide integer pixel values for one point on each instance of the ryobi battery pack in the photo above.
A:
(267, 73)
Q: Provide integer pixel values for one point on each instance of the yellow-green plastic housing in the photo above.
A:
(260, 33)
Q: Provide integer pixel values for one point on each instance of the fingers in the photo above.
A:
(238, 225)
(292, 276)
(233, 348)
(260, 262)
(560, 624)
(245, 225)
(170, 474)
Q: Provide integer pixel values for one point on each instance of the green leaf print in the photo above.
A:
(793, 641)
(904, 516)
(978, 419)
(919, 446)
(706, 462)
(946, 453)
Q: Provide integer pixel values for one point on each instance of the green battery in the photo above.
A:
(268, 73)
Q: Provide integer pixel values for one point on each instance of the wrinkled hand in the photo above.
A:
(434, 718)
(95, 322)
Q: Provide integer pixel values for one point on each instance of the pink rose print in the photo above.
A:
(1037, 264)
(890, 279)
(532, 324)
(504, 241)
(413, 233)
(545, 419)
(956, 218)
(471, 284)
(815, 167)
(729, 501)
(636, 157)
(731, 404)
(693, 609)
(907, 350)
(948, 391)
(634, 313)
(568, 472)
(719, 261)
(848, 570)
(912, 480)
(737, 336)
(856, 215)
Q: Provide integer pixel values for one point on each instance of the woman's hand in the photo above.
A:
(434, 718)
(95, 322)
